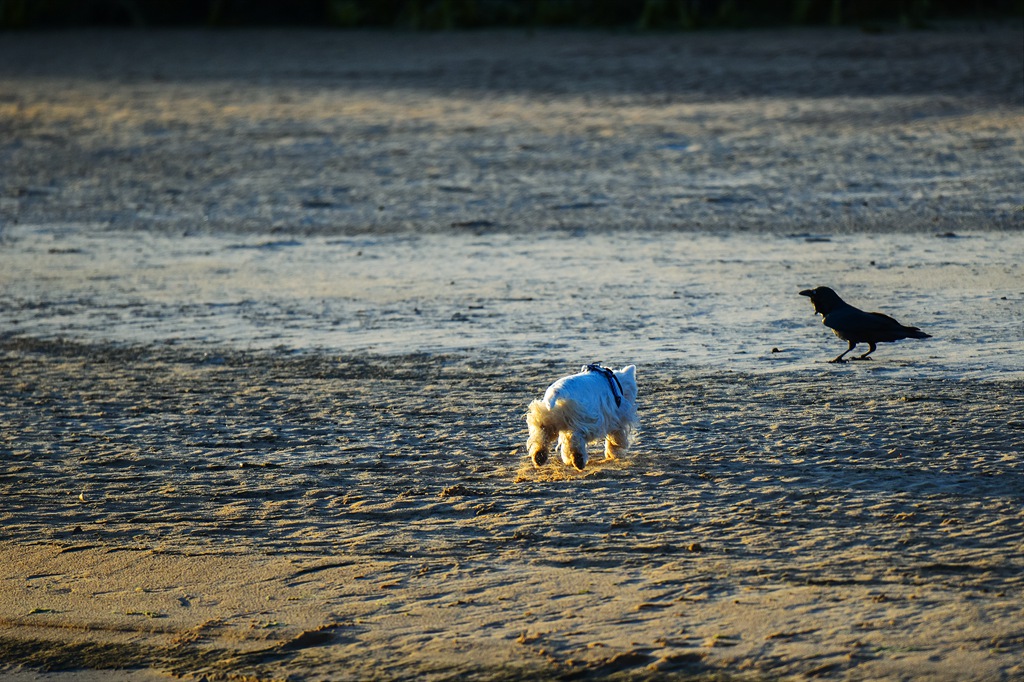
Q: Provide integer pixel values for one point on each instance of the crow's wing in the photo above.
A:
(856, 325)
(907, 331)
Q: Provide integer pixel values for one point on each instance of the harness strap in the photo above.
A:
(613, 381)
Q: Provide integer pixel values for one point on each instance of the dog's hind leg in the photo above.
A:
(543, 432)
(574, 449)
(616, 444)
(539, 443)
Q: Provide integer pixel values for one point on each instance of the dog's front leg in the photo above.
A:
(574, 449)
(616, 444)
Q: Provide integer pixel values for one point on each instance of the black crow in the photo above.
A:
(856, 326)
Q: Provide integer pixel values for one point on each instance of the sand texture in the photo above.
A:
(275, 304)
(355, 518)
(335, 132)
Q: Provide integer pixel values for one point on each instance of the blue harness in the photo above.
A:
(613, 381)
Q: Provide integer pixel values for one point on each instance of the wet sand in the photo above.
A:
(349, 132)
(193, 493)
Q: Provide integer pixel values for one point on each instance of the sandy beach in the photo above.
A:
(276, 302)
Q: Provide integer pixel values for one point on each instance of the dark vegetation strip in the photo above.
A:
(872, 15)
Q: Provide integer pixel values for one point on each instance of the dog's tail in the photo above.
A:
(564, 415)
(538, 415)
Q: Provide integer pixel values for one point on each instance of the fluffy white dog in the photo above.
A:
(596, 403)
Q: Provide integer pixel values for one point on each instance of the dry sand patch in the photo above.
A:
(264, 515)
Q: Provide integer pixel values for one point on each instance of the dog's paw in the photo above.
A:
(579, 460)
(540, 458)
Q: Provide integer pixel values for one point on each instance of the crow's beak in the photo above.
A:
(807, 292)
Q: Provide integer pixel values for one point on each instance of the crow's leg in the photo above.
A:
(839, 358)
(871, 349)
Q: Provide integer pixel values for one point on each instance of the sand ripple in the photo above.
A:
(854, 504)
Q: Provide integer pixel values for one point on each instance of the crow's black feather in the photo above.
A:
(856, 326)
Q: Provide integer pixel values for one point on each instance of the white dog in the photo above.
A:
(596, 403)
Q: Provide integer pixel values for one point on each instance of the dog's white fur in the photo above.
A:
(579, 409)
